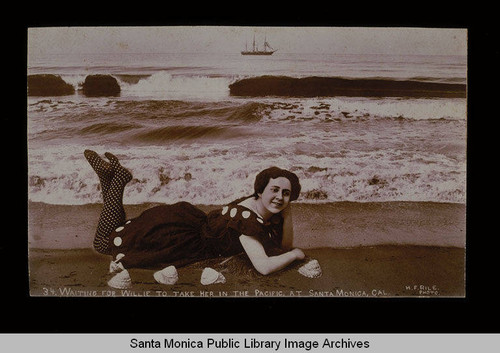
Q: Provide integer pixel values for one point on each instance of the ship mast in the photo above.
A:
(266, 45)
(265, 50)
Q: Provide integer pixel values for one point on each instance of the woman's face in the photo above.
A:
(276, 195)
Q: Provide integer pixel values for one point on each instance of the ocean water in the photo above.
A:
(176, 126)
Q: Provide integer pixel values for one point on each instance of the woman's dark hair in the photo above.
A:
(262, 179)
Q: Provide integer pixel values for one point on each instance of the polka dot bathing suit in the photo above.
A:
(175, 234)
(113, 178)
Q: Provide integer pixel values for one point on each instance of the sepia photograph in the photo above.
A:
(247, 161)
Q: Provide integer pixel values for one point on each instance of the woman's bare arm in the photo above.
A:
(267, 264)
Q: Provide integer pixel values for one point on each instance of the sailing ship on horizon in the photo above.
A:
(255, 50)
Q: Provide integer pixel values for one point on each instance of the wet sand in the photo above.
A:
(394, 249)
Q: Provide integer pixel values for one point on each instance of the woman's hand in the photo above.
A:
(267, 264)
(299, 254)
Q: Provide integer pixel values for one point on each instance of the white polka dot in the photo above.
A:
(245, 214)
(117, 241)
(224, 210)
(119, 229)
(260, 220)
(128, 222)
(233, 212)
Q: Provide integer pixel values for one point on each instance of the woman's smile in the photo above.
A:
(275, 197)
(277, 203)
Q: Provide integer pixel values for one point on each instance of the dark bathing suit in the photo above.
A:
(176, 234)
(181, 233)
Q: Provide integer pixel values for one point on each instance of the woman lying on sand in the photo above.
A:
(259, 225)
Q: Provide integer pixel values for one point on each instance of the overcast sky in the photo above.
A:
(335, 40)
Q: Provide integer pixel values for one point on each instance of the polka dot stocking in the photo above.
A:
(102, 168)
(113, 213)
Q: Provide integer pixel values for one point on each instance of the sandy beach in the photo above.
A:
(389, 249)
